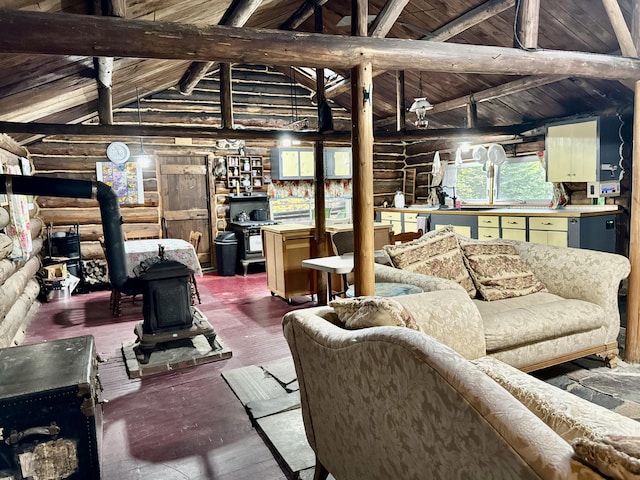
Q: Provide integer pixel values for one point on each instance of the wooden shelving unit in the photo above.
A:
(240, 168)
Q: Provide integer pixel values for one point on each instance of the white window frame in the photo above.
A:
(496, 182)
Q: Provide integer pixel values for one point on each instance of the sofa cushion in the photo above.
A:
(616, 456)
(450, 317)
(497, 270)
(534, 318)
(362, 312)
(436, 253)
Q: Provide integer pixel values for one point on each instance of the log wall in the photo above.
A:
(19, 287)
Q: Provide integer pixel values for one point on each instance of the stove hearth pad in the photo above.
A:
(159, 352)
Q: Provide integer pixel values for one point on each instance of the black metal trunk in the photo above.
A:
(50, 415)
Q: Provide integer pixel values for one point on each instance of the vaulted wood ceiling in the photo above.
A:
(63, 89)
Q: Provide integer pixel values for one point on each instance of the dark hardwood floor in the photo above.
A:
(185, 424)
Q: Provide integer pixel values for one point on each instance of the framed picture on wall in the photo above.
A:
(125, 179)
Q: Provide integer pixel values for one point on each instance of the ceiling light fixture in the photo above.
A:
(420, 107)
(143, 158)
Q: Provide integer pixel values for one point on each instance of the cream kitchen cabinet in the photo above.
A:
(488, 227)
(577, 151)
(513, 228)
(400, 221)
(549, 230)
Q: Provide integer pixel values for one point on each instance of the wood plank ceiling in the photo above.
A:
(63, 89)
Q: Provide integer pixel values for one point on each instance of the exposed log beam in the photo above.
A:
(238, 15)
(469, 19)
(300, 15)
(620, 28)
(527, 21)
(451, 29)
(492, 93)
(386, 18)
(473, 134)
(10, 145)
(61, 34)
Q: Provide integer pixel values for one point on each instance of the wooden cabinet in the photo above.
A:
(337, 163)
(549, 230)
(582, 151)
(285, 246)
(400, 221)
(240, 169)
(513, 228)
(488, 227)
(292, 163)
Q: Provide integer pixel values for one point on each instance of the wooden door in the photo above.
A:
(186, 185)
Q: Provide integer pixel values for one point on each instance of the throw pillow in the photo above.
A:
(362, 312)
(498, 271)
(436, 253)
(615, 456)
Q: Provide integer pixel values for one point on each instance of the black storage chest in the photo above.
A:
(50, 414)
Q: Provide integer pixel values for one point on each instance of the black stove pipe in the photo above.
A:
(109, 212)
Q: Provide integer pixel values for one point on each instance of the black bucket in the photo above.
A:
(67, 246)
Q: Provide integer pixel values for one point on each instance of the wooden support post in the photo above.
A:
(226, 95)
(472, 113)
(362, 145)
(527, 21)
(401, 110)
(632, 337)
(319, 199)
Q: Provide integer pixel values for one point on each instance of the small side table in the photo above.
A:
(338, 264)
(389, 289)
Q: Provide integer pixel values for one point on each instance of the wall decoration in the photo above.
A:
(125, 179)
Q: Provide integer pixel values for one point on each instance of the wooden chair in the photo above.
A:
(142, 234)
(406, 237)
(115, 300)
(194, 239)
(342, 242)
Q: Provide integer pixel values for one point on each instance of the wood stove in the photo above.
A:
(248, 231)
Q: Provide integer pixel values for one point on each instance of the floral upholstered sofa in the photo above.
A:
(527, 304)
(388, 402)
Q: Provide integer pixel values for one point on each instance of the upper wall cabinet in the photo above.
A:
(337, 162)
(298, 163)
(582, 151)
(292, 163)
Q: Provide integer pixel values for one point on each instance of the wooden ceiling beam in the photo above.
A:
(492, 93)
(117, 130)
(303, 13)
(451, 29)
(386, 18)
(469, 19)
(65, 34)
(379, 29)
(620, 28)
(238, 14)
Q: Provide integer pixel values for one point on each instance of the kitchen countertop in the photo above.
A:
(513, 210)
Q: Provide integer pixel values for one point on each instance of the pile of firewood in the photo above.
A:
(95, 272)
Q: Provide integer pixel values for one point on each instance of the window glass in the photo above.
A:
(522, 180)
(472, 184)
